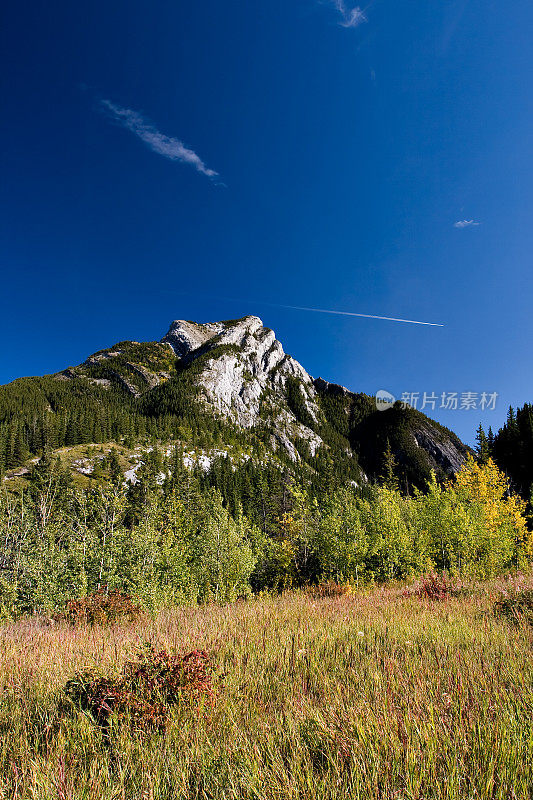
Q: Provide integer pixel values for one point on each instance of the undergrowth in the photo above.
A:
(516, 607)
(145, 690)
(101, 608)
(372, 695)
(329, 589)
(435, 586)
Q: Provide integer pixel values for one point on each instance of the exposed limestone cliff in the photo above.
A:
(245, 367)
(444, 452)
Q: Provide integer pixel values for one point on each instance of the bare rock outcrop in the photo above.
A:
(244, 364)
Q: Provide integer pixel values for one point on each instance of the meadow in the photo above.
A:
(375, 694)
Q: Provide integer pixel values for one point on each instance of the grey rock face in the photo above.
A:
(184, 337)
(248, 367)
(244, 377)
(444, 452)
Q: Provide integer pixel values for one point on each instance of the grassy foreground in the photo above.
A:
(362, 696)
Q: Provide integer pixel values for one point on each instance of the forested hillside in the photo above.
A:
(183, 536)
(219, 387)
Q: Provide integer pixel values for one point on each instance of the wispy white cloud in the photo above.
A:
(165, 146)
(351, 17)
(465, 223)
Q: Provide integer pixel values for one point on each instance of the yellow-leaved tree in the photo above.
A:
(473, 525)
(498, 517)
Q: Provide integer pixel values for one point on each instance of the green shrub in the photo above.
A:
(516, 608)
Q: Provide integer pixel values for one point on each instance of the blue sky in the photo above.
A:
(208, 160)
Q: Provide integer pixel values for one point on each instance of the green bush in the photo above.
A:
(516, 608)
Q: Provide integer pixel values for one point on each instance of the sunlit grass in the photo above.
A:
(379, 695)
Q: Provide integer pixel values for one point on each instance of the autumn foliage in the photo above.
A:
(101, 608)
(146, 689)
(434, 587)
(516, 607)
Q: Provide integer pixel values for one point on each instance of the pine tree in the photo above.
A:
(482, 448)
(20, 452)
(114, 468)
(390, 467)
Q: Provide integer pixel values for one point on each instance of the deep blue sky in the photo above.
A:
(345, 156)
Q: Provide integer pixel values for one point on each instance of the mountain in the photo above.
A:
(224, 389)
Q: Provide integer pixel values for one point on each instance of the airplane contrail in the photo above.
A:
(319, 310)
(354, 314)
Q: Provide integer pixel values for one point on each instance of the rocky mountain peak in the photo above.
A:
(244, 370)
(237, 370)
(185, 336)
(243, 374)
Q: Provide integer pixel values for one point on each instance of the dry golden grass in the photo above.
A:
(377, 695)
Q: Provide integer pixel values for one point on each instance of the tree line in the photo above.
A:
(511, 448)
(182, 536)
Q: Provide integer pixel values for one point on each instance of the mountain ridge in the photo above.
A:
(217, 381)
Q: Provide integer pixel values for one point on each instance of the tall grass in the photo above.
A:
(378, 695)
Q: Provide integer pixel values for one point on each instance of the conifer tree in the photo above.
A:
(390, 466)
(482, 445)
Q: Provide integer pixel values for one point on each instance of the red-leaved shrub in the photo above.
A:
(146, 689)
(101, 608)
(434, 587)
(329, 589)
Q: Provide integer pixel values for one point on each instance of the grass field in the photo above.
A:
(376, 695)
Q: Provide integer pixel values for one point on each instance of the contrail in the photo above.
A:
(354, 314)
(316, 310)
